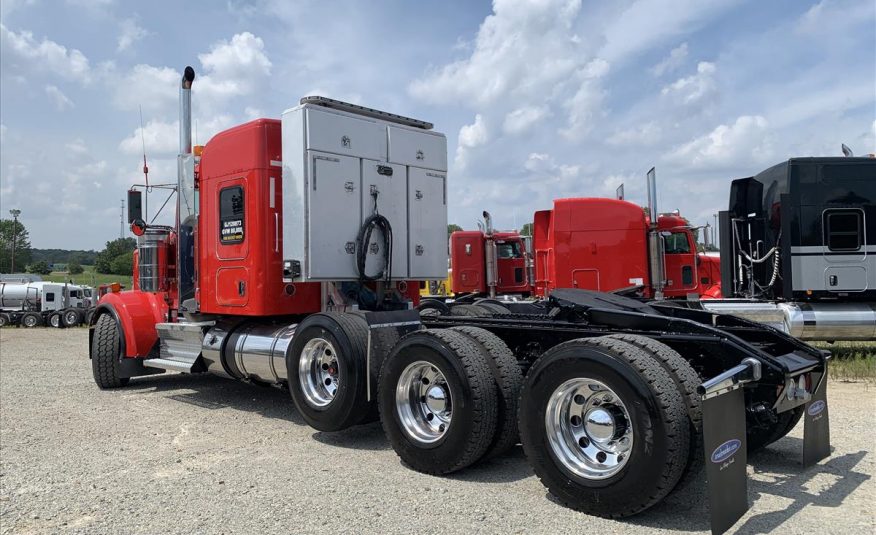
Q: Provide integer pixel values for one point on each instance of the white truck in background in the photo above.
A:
(32, 304)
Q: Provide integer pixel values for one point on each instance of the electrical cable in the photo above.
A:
(381, 223)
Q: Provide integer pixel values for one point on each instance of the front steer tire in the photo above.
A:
(658, 420)
(106, 354)
(472, 395)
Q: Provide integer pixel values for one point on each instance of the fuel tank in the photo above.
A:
(806, 321)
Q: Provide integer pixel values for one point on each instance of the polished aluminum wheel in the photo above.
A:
(588, 428)
(318, 372)
(423, 402)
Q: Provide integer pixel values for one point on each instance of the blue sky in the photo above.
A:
(539, 99)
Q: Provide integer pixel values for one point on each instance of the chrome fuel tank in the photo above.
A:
(806, 321)
(251, 351)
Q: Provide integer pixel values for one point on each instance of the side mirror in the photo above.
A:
(135, 206)
(138, 227)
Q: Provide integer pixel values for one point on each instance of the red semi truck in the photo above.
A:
(589, 243)
(295, 262)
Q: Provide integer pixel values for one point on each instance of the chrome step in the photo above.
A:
(180, 345)
(169, 364)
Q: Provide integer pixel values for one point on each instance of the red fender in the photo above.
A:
(137, 313)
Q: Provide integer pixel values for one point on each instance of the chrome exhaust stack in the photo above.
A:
(491, 255)
(185, 111)
(655, 241)
(186, 205)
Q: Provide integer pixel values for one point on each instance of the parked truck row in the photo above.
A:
(52, 304)
(796, 253)
(296, 261)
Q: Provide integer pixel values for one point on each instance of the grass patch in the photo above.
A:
(89, 278)
(852, 361)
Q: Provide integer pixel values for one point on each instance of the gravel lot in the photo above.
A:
(183, 454)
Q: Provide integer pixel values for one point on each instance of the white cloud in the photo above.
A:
(253, 113)
(645, 23)
(234, 67)
(509, 44)
(646, 134)
(26, 53)
(160, 138)
(471, 136)
(673, 61)
(747, 140)
(130, 33)
(77, 146)
(58, 98)
(154, 88)
(521, 119)
(695, 88)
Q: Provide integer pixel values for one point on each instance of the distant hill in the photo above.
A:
(63, 256)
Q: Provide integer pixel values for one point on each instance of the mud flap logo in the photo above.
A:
(726, 450)
(816, 408)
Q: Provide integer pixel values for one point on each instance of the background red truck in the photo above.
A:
(589, 243)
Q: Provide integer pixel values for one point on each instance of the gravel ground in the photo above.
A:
(183, 454)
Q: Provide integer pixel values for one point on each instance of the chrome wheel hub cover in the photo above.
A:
(588, 428)
(318, 372)
(423, 402)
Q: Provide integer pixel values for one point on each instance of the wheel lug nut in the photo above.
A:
(607, 399)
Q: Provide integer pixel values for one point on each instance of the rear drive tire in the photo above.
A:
(471, 311)
(106, 354)
(71, 317)
(433, 307)
(508, 380)
(31, 319)
(88, 316)
(326, 366)
(437, 401)
(56, 321)
(4, 320)
(686, 380)
(604, 426)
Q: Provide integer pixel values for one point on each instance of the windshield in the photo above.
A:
(509, 250)
(676, 243)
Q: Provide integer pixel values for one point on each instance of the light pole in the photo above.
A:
(15, 213)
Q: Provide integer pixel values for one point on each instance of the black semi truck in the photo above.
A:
(798, 248)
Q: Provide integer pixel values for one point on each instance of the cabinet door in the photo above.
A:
(334, 216)
(342, 134)
(389, 183)
(417, 148)
(427, 208)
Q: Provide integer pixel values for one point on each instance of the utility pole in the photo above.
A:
(15, 213)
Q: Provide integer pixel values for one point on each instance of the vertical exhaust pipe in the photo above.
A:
(185, 111)
(491, 255)
(655, 241)
(186, 206)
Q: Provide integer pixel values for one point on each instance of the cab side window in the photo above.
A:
(231, 216)
(843, 229)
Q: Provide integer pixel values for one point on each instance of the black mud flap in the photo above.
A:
(725, 447)
(816, 426)
(384, 330)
